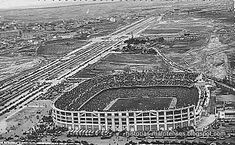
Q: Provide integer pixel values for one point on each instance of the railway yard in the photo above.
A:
(199, 42)
(24, 87)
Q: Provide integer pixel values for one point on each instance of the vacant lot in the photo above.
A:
(10, 66)
(21, 121)
(60, 47)
(122, 62)
(161, 31)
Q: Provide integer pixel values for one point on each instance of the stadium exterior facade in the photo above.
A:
(153, 120)
(129, 120)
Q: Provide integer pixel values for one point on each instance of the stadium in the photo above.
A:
(136, 101)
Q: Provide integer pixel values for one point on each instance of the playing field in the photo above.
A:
(143, 103)
(142, 98)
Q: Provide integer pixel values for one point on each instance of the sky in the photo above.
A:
(11, 4)
(15, 3)
(8, 4)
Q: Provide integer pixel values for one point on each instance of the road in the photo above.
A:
(170, 62)
(222, 85)
(26, 87)
(173, 64)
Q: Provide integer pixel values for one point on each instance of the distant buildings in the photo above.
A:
(112, 19)
(227, 114)
(67, 35)
(225, 107)
(231, 79)
(11, 33)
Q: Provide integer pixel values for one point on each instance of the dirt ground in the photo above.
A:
(11, 66)
(212, 53)
(24, 119)
(119, 62)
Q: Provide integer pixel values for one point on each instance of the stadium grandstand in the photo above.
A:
(136, 101)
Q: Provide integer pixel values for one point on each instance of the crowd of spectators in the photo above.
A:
(53, 92)
(89, 92)
(39, 134)
(185, 97)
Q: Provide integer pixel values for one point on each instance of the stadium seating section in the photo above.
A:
(96, 93)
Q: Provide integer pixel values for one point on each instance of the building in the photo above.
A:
(12, 33)
(227, 115)
(128, 120)
(86, 108)
(225, 107)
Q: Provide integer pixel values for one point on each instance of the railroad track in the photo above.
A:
(23, 86)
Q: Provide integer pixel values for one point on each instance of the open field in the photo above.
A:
(115, 62)
(60, 47)
(24, 119)
(181, 33)
(78, 11)
(218, 16)
(161, 31)
(208, 44)
(11, 66)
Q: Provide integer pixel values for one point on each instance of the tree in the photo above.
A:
(127, 68)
